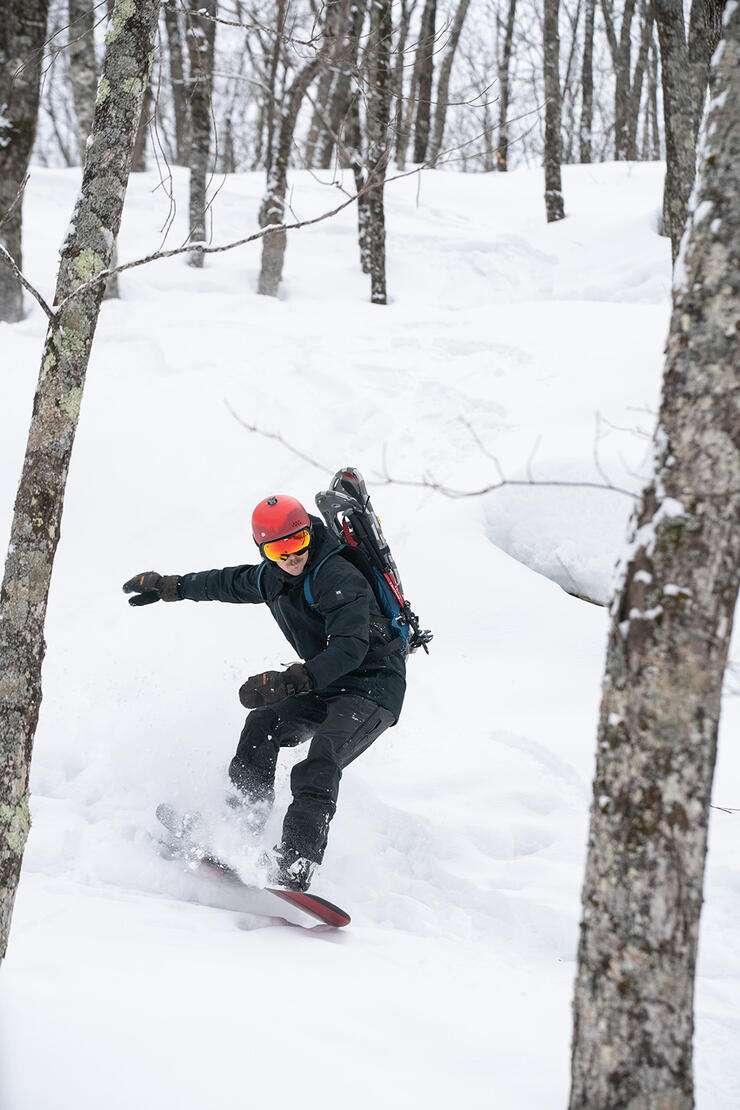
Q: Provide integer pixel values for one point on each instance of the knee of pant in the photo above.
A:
(260, 725)
(319, 778)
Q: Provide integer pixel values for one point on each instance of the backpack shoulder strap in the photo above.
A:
(260, 574)
(307, 590)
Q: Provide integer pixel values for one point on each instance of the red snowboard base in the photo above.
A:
(183, 828)
(318, 908)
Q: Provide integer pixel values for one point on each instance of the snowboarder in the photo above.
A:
(346, 692)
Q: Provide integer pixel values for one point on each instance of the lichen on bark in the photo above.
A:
(671, 622)
(38, 507)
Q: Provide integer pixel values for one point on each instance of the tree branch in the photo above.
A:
(10, 261)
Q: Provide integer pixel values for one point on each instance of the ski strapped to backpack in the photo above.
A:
(351, 519)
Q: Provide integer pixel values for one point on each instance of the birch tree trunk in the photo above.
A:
(40, 498)
(443, 84)
(671, 623)
(359, 171)
(378, 118)
(504, 69)
(553, 189)
(83, 69)
(22, 34)
(201, 37)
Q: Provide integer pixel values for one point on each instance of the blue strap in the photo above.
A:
(307, 582)
(260, 572)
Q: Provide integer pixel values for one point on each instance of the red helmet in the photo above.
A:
(276, 517)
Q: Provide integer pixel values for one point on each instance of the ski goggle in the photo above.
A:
(278, 550)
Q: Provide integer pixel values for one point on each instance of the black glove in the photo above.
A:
(264, 689)
(150, 587)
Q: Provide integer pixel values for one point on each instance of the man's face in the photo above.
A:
(295, 564)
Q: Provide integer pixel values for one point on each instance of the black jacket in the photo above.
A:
(334, 638)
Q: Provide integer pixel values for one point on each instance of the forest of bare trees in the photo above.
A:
(358, 92)
(473, 87)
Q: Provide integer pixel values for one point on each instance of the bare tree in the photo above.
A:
(647, 16)
(180, 105)
(201, 36)
(340, 105)
(684, 87)
(424, 73)
(83, 68)
(38, 506)
(620, 47)
(504, 81)
(378, 117)
(404, 107)
(443, 83)
(553, 189)
(271, 96)
(22, 33)
(272, 209)
(587, 84)
(671, 623)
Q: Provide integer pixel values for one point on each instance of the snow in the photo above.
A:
(510, 347)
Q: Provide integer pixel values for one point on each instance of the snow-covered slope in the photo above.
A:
(509, 348)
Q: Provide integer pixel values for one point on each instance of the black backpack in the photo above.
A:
(351, 519)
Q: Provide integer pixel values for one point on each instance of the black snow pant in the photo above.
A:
(339, 728)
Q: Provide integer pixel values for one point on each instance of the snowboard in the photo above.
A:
(183, 828)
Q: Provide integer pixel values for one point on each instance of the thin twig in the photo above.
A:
(16, 199)
(10, 261)
(276, 436)
(428, 482)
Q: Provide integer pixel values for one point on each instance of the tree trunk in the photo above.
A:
(587, 84)
(179, 88)
(320, 112)
(359, 169)
(553, 188)
(443, 84)
(567, 92)
(22, 34)
(621, 54)
(272, 210)
(633, 114)
(83, 69)
(332, 73)
(653, 103)
(403, 113)
(201, 37)
(705, 21)
(670, 633)
(40, 498)
(271, 96)
(425, 77)
(378, 119)
(504, 69)
(339, 107)
(678, 115)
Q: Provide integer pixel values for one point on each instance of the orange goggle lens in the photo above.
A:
(278, 550)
